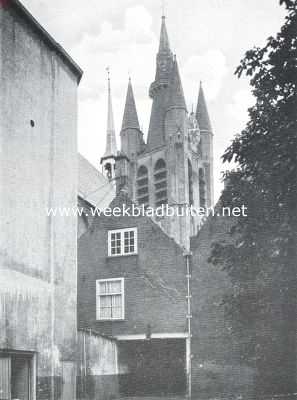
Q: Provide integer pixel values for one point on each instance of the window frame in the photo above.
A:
(98, 298)
(122, 242)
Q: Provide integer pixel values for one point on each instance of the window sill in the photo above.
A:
(111, 320)
(122, 255)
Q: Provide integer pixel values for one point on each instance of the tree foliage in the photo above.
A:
(261, 261)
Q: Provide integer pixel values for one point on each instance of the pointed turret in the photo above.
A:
(159, 90)
(202, 112)
(164, 46)
(176, 98)
(130, 118)
(108, 159)
(111, 145)
(206, 152)
(131, 135)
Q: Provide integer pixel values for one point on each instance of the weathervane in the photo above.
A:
(163, 8)
(108, 77)
(108, 72)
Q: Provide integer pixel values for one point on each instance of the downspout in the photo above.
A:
(187, 255)
(84, 365)
(85, 355)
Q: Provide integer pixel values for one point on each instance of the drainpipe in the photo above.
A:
(187, 256)
(84, 363)
(85, 355)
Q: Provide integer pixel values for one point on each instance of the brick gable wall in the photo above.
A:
(155, 279)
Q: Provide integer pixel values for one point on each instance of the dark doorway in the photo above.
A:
(16, 376)
(154, 367)
(20, 377)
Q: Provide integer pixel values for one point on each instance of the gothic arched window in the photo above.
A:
(160, 181)
(142, 186)
(202, 193)
(190, 179)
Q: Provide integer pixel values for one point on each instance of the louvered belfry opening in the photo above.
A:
(160, 182)
(142, 186)
(202, 193)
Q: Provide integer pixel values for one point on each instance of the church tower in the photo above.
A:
(108, 160)
(175, 166)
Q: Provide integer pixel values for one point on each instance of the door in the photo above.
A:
(20, 377)
(69, 380)
(5, 367)
(16, 376)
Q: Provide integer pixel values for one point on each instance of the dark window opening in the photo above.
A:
(160, 183)
(190, 179)
(202, 191)
(108, 169)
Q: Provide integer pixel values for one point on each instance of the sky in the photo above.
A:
(209, 38)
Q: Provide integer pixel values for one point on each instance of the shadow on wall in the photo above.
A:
(97, 367)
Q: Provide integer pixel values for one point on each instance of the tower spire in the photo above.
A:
(176, 93)
(131, 135)
(164, 46)
(108, 159)
(111, 145)
(202, 112)
(159, 90)
(130, 118)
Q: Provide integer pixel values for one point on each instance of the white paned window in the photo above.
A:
(122, 242)
(110, 299)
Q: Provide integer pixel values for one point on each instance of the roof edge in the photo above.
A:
(20, 8)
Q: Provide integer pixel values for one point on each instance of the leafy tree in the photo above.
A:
(261, 260)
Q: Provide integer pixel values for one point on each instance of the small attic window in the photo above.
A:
(32, 123)
(122, 242)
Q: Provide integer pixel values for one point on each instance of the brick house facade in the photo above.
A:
(154, 295)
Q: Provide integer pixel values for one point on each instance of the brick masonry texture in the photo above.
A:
(155, 278)
(155, 295)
